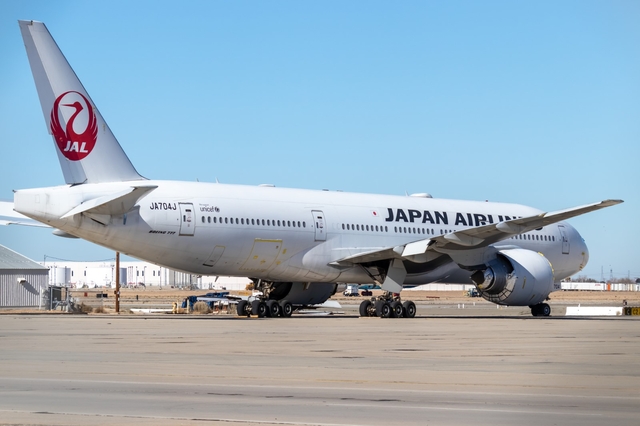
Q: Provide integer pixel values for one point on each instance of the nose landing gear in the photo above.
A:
(540, 310)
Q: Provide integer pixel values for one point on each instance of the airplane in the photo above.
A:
(296, 245)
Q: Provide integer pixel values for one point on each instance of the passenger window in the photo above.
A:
(202, 219)
(304, 224)
(289, 223)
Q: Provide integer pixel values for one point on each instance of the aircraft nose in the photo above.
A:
(583, 250)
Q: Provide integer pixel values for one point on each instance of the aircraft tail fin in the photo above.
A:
(87, 150)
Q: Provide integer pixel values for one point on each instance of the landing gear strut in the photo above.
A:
(388, 305)
(540, 310)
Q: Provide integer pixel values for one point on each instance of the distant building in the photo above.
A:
(21, 280)
(134, 274)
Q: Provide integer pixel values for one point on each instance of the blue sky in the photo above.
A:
(535, 103)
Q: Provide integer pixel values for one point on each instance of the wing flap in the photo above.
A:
(370, 256)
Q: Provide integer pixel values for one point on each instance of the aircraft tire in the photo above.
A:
(364, 308)
(286, 308)
(241, 308)
(396, 309)
(273, 309)
(383, 309)
(409, 309)
(263, 310)
(259, 308)
(254, 307)
(541, 310)
(545, 310)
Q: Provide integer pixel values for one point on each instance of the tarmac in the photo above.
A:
(503, 368)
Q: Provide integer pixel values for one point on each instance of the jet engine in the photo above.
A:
(302, 293)
(516, 277)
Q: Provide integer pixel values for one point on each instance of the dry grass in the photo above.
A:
(201, 308)
(85, 309)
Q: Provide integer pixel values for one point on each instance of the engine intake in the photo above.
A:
(516, 277)
(493, 280)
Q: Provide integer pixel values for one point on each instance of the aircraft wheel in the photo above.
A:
(396, 309)
(286, 308)
(241, 308)
(273, 309)
(364, 308)
(259, 308)
(544, 310)
(383, 310)
(409, 309)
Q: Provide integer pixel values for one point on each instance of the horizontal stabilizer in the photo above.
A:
(8, 216)
(114, 204)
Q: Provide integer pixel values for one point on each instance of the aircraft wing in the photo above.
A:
(482, 236)
(10, 217)
(472, 238)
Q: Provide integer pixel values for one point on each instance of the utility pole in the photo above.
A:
(117, 292)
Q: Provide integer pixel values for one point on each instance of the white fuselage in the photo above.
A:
(283, 234)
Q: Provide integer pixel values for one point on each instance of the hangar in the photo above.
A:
(21, 280)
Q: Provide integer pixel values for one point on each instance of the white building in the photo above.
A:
(21, 280)
(133, 274)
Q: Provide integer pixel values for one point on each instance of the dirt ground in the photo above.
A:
(154, 294)
(157, 298)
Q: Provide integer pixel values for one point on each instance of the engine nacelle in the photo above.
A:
(303, 294)
(516, 277)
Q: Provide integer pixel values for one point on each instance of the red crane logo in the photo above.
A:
(74, 145)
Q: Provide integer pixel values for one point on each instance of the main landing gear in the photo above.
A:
(540, 310)
(388, 305)
(262, 306)
(265, 308)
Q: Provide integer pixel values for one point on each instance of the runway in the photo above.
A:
(104, 370)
